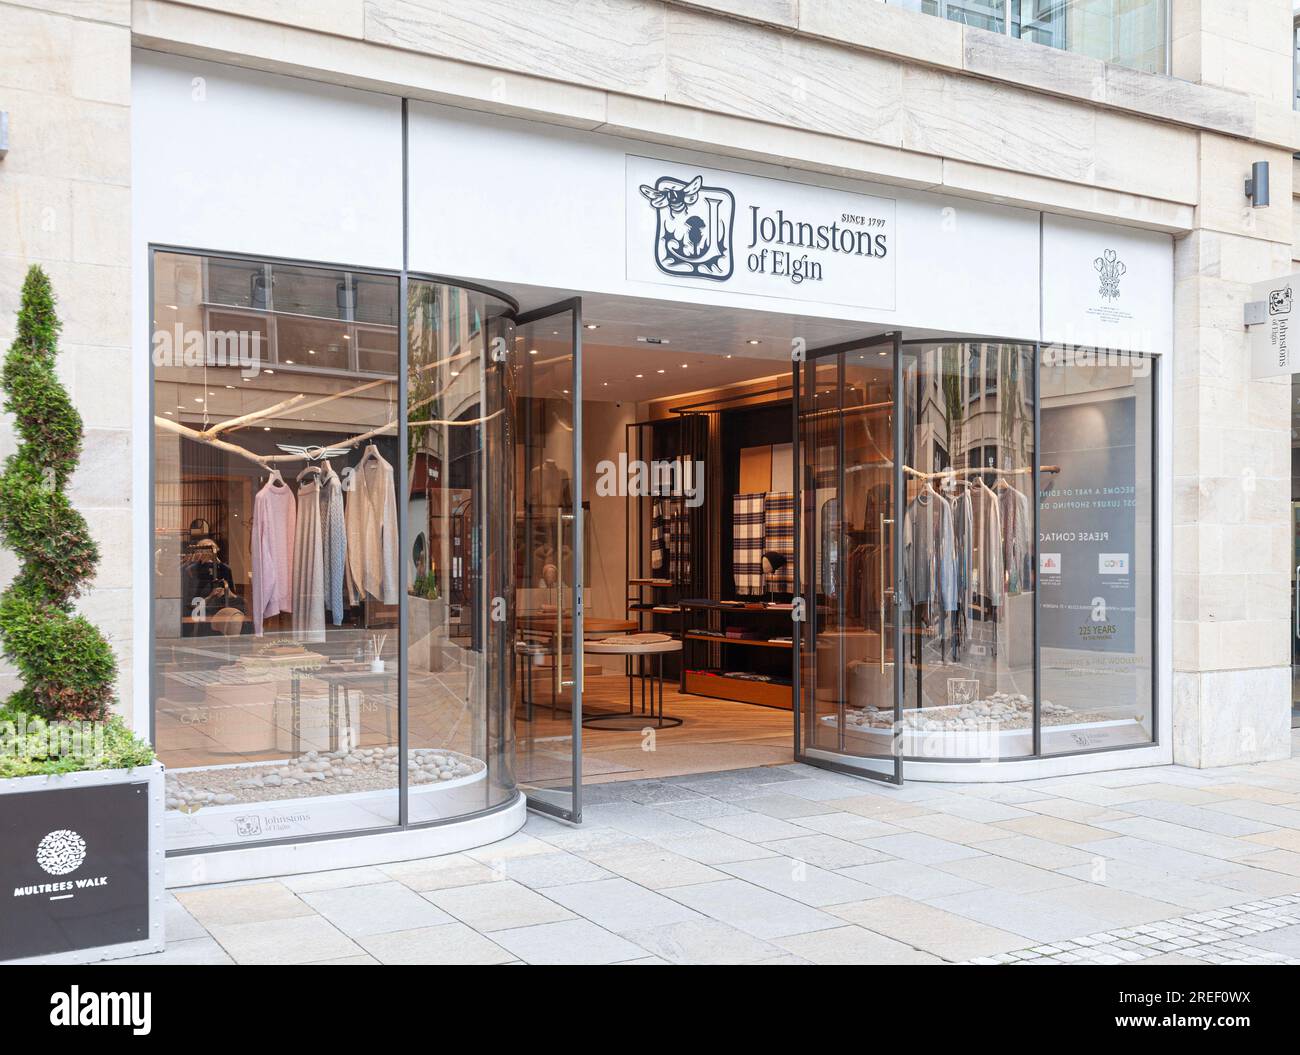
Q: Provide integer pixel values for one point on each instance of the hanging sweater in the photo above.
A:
(308, 566)
(275, 515)
(371, 523)
(333, 543)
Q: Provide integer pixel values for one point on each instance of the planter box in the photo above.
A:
(81, 866)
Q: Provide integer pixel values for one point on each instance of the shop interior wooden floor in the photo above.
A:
(715, 734)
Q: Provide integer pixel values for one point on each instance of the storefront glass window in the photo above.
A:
(458, 552)
(290, 521)
(1128, 32)
(967, 592)
(1096, 556)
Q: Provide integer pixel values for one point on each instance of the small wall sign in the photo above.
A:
(1268, 318)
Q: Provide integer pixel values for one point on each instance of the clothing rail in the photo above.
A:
(943, 474)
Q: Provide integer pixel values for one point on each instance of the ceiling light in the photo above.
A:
(198, 399)
(753, 340)
(592, 326)
(455, 373)
(266, 428)
(532, 351)
(640, 375)
(683, 366)
(346, 337)
(288, 362)
(662, 371)
(728, 355)
(271, 372)
(173, 307)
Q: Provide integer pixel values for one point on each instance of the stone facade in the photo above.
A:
(850, 87)
(65, 203)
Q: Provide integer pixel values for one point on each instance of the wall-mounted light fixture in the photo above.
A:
(1257, 185)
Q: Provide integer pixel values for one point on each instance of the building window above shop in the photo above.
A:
(1132, 33)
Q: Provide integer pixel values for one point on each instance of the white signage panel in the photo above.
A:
(1271, 351)
(690, 226)
(574, 219)
(1106, 286)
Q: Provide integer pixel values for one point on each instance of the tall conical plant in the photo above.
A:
(67, 666)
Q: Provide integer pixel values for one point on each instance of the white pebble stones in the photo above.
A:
(314, 773)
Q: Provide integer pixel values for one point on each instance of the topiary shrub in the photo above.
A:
(67, 666)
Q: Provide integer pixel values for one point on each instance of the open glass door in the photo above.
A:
(548, 550)
(848, 697)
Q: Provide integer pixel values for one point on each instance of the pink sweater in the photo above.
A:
(275, 520)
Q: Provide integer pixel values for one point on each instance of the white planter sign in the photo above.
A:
(696, 227)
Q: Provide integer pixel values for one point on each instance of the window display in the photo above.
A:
(1096, 557)
(278, 579)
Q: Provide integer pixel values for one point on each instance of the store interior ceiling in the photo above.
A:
(641, 349)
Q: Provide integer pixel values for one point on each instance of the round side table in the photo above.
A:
(650, 651)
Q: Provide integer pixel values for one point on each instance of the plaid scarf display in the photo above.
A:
(658, 538)
(778, 536)
(678, 519)
(747, 542)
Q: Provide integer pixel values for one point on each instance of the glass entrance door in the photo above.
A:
(848, 697)
(547, 544)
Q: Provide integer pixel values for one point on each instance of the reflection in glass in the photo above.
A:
(846, 416)
(458, 559)
(1096, 556)
(275, 578)
(280, 563)
(547, 553)
(1131, 33)
(967, 590)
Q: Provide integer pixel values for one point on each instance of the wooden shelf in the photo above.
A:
(711, 638)
(742, 690)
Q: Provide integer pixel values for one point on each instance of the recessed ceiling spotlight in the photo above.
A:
(654, 340)
(662, 371)
(592, 326)
(753, 340)
(288, 362)
(532, 351)
(266, 428)
(640, 375)
(728, 355)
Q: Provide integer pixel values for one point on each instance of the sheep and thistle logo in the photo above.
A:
(1111, 268)
(693, 226)
(61, 852)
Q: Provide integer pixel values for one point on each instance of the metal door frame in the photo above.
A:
(894, 339)
(573, 306)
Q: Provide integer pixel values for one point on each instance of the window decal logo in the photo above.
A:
(61, 852)
(693, 227)
(1111, 268)
(1279, 301)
